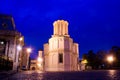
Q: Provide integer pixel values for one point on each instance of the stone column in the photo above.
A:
(60, 27)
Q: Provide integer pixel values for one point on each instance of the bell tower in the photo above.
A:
(60, 28)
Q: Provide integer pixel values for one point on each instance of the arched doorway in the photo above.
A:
(33, 68)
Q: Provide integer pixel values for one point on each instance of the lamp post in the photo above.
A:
(21, 43)
(29, 50)
(110, 59)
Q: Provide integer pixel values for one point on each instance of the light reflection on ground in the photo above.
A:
(113, 74)
(81, 75)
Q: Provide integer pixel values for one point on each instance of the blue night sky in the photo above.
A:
(94, 24)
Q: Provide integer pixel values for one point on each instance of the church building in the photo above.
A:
(61, 53)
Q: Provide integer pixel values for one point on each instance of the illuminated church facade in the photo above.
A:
(61, 53)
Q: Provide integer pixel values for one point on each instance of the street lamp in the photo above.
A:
(110, 59)
(29, 50)
(2, 42)
(19, 48)
(21, 38)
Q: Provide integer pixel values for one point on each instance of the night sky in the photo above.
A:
(94, 24)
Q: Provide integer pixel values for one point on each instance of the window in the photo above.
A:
(60, 58)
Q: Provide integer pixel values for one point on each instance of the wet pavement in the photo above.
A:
(81, 75)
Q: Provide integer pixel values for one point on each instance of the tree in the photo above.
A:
(101, 55)
(115, 50)
(92, 59)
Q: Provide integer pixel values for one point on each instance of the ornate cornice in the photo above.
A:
(67, 36)
(60, 50)
(9, 33)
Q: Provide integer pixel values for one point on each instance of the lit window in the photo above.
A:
(60, 58)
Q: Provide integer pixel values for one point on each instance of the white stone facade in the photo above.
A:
(61, 53)
(40, 60)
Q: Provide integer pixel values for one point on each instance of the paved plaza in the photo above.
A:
(81, 75)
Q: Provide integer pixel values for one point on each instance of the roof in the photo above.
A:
(6, 22)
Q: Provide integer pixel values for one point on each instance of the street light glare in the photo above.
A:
(21, 38)
(39, 65)
(19, 47)
(29, 50)
(110, 58)
(40, 59)
(2, 42)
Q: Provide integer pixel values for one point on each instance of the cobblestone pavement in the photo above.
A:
(4, 74)
(81, 75)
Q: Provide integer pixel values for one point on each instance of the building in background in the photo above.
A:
(33, 65)
(37, 64)
(61, 53)
(40, 60)
(25, 58)
(10, 43)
